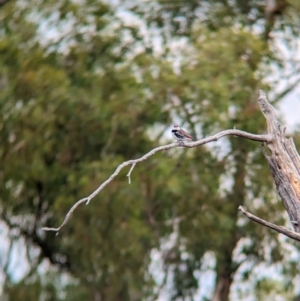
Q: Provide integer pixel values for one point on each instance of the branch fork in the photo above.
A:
(284, 163)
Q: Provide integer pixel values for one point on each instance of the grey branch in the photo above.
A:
(129, 173)
(261, 138)
(283, 161)
(280, 229)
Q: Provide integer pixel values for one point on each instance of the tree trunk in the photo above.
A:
(222, 288)
(284, 163)
(225, 266)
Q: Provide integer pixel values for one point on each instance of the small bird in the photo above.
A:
(180, 134)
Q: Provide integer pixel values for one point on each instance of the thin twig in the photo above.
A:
(129, 173)
(261, 138)
(280, 229)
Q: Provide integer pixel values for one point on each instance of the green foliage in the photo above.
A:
(177, 18)
(268, 289)
(75, 106)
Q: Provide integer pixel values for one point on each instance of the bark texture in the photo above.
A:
(284, 163)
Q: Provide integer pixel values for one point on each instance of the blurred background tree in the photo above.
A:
(86, 86)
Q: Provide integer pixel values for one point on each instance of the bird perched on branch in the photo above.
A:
(180, 134)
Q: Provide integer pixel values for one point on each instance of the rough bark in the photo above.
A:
(284, 163)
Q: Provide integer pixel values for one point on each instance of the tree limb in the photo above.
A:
(283, 161)
(261, 138)
(282, 158)
(279, 229)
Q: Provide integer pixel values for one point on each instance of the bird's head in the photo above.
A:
(176, 126)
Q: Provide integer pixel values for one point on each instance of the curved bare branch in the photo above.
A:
(279, 229)
(234, 132)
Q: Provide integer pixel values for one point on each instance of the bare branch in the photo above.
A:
(129, 173)
(280, 229)
(234, 132)
(67, 217)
